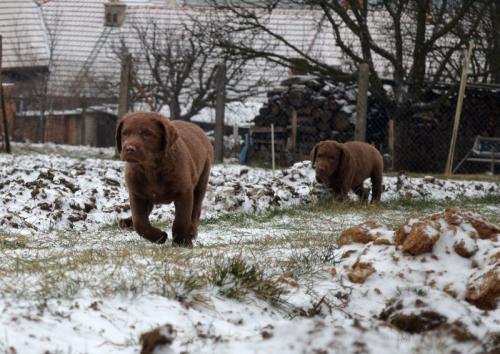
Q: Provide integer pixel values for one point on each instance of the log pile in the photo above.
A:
(324, 110)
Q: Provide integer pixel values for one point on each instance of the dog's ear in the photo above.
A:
(118, 136)
(170, 134)
(312, 157)
(345, 159)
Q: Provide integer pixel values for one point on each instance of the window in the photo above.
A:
(114, 14)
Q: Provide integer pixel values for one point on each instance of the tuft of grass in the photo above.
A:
(236, 279)
(13, 243)
(187, 289)
(309, 256)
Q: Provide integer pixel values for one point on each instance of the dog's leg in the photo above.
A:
(140, 220)
(126, 223)
(377, 187)
(361, 192)
(339, 193)
(182, 228)
(199, 194)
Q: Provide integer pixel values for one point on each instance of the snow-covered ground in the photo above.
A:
(46, 192)
(71, 281)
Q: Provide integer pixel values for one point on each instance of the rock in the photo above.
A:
(415, 322)
(484, 228)
(157, 337)
(429, 179)
(484, 290)
(45, 206)
(466, 248)
(417, 236)
(360, 272)
(358, 234)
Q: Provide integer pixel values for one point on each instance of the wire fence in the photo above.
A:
(303, 111)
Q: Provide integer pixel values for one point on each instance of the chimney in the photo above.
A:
(114, 13)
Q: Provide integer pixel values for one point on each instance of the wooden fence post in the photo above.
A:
(463, 82)
(124, 98)
(362, 102)
(220, 87)
(391, 140)
(293, 135)
(2, 104)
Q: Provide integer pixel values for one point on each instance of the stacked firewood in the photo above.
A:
(324, 110)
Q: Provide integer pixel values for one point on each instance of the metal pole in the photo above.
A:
(293, 144)
(391, 140)
(273, 158)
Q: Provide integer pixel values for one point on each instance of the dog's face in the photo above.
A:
(326, 158)
(142, 137)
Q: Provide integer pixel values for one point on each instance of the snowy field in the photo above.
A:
(277, 266)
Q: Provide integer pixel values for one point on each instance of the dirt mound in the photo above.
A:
(436, 272)
(363, 233)
(160, 337)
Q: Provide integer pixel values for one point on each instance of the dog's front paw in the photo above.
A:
(182, 241)
(163, 238)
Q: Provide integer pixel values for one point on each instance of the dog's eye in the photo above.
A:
(146, 135)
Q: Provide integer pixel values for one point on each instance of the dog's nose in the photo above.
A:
(130, 149)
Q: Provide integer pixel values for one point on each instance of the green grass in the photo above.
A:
(236, 279)
(460, 177)
(332, 207)
(12, 242)
(296, 244)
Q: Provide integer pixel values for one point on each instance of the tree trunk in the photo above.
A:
(495, 57)
(175, 109)
(419, 51)
(402, 143)
(41, 127)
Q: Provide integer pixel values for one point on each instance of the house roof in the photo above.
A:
(86, 46)
(23, 33)
(78, 31)
(84, 49)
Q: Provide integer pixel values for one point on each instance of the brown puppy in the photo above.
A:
(167, 161)
(343, 167)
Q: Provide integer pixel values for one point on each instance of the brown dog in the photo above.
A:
(344, 167)
(166, 161)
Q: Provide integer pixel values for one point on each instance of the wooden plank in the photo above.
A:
(268, 130)
(482, 160)
(281, 142)
(463, 82)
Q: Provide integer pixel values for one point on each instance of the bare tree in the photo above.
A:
(414, 39)
(486, 61)
(176, 67)
(495, 52)
(34, 87)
